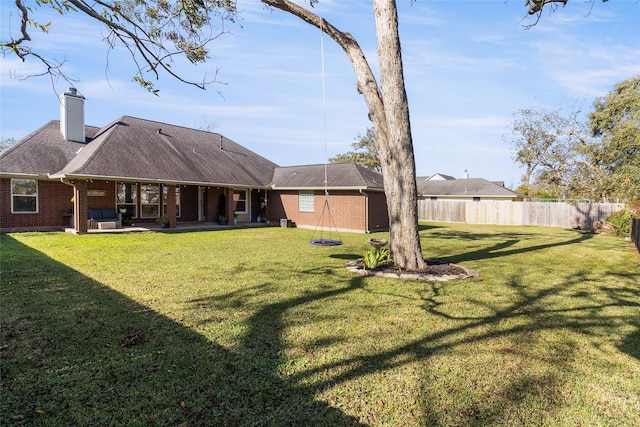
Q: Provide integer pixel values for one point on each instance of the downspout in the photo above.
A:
(75, 208)
(366, 210)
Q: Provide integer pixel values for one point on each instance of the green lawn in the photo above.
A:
(257, 327)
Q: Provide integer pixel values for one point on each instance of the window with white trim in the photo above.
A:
(240, 197)
(126, 198)
(24, 196)
(150, 200)
(305, 201)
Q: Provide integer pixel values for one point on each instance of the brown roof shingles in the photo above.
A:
(41, 152)
(146, 150)
(340, 175)
(138, 149)
(463, 187)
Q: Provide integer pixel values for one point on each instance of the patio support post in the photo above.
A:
(171, 206)
(231, 206)
(80, 206)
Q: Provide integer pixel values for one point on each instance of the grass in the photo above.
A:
(257, 327)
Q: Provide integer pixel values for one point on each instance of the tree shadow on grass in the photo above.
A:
(500, 249)
(65, 362)
(530, 314)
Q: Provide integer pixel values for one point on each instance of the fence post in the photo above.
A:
(635, 232)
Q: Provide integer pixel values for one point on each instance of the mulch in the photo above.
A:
(435, 271)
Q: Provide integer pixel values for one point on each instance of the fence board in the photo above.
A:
(563, 215)
(442, 211)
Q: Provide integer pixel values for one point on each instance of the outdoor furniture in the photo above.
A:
(104, 216)
(107, 225)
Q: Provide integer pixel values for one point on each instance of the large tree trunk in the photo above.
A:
(396, 154)
(389, 112)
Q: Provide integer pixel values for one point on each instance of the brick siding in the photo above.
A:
(54, 201)
(347, 209)
(378, 214)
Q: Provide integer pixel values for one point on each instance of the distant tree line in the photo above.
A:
(568, 157)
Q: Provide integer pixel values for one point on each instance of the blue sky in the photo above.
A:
(469, 66)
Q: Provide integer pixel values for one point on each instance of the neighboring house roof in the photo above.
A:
(478, 187)
(136, 149)
(436, 177)
(339, 176)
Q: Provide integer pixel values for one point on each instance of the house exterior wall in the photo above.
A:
(54, 201)
(101, 194)
(378, 213)
(189, 203)
(216, 203)
(348, 210)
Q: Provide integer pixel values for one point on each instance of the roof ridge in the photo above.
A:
(25, 138)
(173, 125)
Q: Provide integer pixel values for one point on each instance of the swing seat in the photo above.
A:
(325, 242)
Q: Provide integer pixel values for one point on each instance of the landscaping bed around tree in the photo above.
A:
(257, 327)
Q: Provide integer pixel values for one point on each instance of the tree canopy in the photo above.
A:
(364, 152)
(597, 158)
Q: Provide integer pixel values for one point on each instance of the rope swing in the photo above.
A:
(322, 241)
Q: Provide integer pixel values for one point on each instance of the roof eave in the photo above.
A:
(336, 188)
(152, 181)
(22, 175)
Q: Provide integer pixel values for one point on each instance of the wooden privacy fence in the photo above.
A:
(557, 214)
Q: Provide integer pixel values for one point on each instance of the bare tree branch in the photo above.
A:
(143, 33)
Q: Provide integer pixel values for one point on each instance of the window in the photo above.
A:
(476, 198)
(240, 197)
(126, 197)
(305, 201)
(24, 196)
(150, 200)
(164, 201)
(434, 197)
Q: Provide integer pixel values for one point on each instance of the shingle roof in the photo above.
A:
(463, 187)
(436, 176)
(138, 149)
(135, 149)
(41, 152)
(339, 175)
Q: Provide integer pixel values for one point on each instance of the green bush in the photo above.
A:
(621, 222)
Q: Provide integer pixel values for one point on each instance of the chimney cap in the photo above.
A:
(72, 91)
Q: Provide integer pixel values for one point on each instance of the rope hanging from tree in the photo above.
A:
(322, 241)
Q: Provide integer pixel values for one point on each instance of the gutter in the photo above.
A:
(344, 188)
(63, 177)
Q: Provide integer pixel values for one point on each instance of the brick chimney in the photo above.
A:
(72, 115)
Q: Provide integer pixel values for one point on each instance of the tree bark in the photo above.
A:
(397, 157)
(389, 112)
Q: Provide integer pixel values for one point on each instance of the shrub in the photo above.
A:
(374, 257)
(621, 222)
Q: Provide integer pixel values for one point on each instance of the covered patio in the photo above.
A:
(180, 226)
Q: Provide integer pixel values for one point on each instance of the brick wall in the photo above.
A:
(347, 209)
(378, 214)
(54, 201)
(102, 194)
